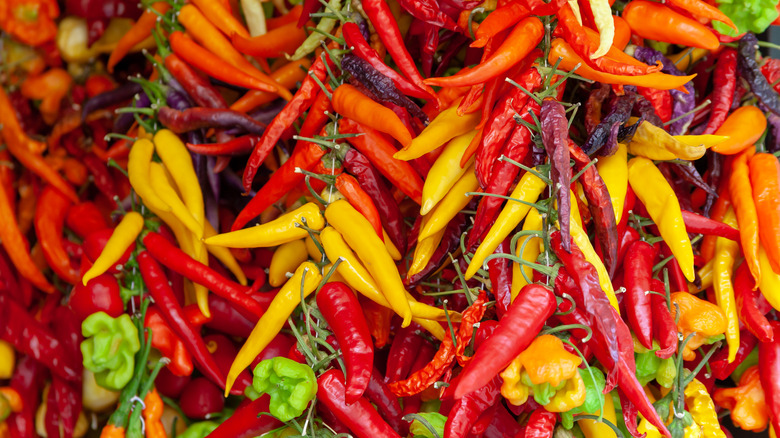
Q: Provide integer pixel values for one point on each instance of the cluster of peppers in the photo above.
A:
(560, 224)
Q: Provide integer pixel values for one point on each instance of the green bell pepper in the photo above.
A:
(290, 384)
(594, 396)
(109, 349)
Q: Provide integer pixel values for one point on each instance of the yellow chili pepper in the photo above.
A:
(528, 190)
(166, 192)
(661, 202)
(424, 251)
(702, 409)
(571, 396)
(177, 159)
(596, 429)
(453, 202)
(123, 236)
(770, 281)
(286, 258)
(390, 247)
(726, 253)
(655, 143)
(224, 255)
(335, 277)
(281, 230)
(527, 249)
(706, 274)
(305, 280)
(708, 140)
(687, 57)
(138, 173)
(7, 360)
(602, 16)
(312, 249)
(446, 170)
(614, 171)
(580, 238)
(371, 250)
(446, 126)
(697, 316)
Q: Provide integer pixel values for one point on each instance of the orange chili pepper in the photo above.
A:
(25, 210)
(12, 129)
(519, 43)
(30, 21)
(274, 44)
(765, 179)
(498, 20)
(141, 30)
(49, 221)
(703, 9)
(50, 87)
(655, 21)
(112, 431)
(7, 177)
(747, 217)
(290, 17)
(349, 187)
(202, 31)
(622, 33)
(743, 128)
(16, 246)
(286, 76)
(221, 17)
(351, 103)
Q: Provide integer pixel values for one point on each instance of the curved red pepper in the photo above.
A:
(747, 305)
(769, 370)
(638, 271)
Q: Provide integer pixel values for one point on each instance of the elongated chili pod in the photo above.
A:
(638, 271)
(769, 370)
(749, 70)
(111, 97)
(555, 135)
(618, 114)
(197, 118)
(682, 103)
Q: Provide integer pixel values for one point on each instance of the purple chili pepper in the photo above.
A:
(682, 103)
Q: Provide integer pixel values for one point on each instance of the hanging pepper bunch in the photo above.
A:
(388, 218)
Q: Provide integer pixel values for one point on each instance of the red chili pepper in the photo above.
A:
(467, 409)
(161, 292)
(664, 327)
(341, 311)
(168, 343)
(247, 421)
(719, 362)
(354, 193)
(294, 109)
(237, 146)
(750, 313)
(385, 401)
(52, 207)
(638, 271)
(500, 271)
(28, 380)
(541, 424)
(360, 417)
(769, 370)
(403, 351)
(698, 224)
(724, 82)
(661, 100)
(201, 91)
(514, 333)
(174, 258)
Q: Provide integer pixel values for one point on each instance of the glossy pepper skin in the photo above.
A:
(769, 371)
(746, 401)
(638, 271)
(109, 348)
(290, 384)
(340, 308)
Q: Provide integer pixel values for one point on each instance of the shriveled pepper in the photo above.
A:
(290, 384)
(109, 348)
(280, 230)
(121, 239)
(745, 401)
(652, 142)
(697, 316)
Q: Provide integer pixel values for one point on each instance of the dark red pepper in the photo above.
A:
(541, 424)
(500, 270)
(385, 401)
(403, 352)
(769, 370)
(467, 409)
(638, 268)
(750, 313)
(664, 327)
(719, 362)
(247, 421)
(724, 82)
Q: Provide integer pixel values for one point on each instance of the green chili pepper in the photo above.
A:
(290, 384)
(200, 429)
(109, 348)
(594, 387)
(325, 26)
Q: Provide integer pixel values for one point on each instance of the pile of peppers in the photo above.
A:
(387, 218)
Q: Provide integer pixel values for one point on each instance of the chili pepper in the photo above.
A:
(49, 220)
(101, 175)
(168, 343)
(381, 17)
(351, 103)
(745, 209)
(386, 402)
(719, 363)
(654, 143)
(153, 410)
(740, 135)
(141, 30)
(519, 43)
(403, 351)
(323, 28)
(697, 316)
(360, 417)
(247, 421)
(341, 310)
(528, 190)
(287, 76)
(638, 273)
(769, 279)
(747, 308)
(455, 200)
(300, 285)
(138, 166)
(272, 44)
(165, 191)
(765, 177)
(27, 382)
(468, 409)
(221, 17)
(569, 59)
(702, 409)
(449, 242)
(348, 186)
(290, 384)
(663, 207)
(123, 237)
(445, 127)
(749, 70)
(109, 98)
(726, 252)
(109, 348)
(354, 227)
(286, 258)
(768, 359)
(724, 84)
(197, 118)
(199, 89)
(514, 333)
(281, 230)
(50, 87)
(746, 401)
(541, 424)
(499, 20)
(660, 23)
(302, 100)
(192, 53)
(172, 312)
(371, 181)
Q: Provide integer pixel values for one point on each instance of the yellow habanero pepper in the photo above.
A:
(770, 281)
(178, 161)
(123, 236)
(655, 143)
(424, 251)
(702, 410)
(281, 230)
(166, 192)
(546, 360)
(224, 255)
(528, 190)
(445, 171)
(354, 227)
(138, 162)
(528, 249)
(446, 126)
(658, 197)
(452, 203)
(697, 316)
(726, 253)
(746, 401)
(614, 171)
(286, 258)
(305, 280)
